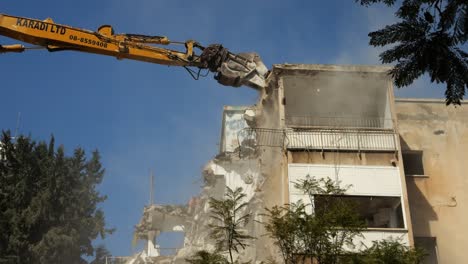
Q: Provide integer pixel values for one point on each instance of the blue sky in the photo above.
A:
(143, 116)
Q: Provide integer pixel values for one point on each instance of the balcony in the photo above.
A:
(352, 140)
(338, 122)
(319, 139)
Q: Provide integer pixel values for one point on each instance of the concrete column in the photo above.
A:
(153, 248)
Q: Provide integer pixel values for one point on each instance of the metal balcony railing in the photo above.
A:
(319, 139)
(339, 122)
(360, 140)
(253, 137)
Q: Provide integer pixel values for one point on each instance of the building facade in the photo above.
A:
(402, 160)
(434, 142)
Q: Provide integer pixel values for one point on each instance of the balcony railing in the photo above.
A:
(344, 140)
(339, 122)
(261, 137)
(319, 139)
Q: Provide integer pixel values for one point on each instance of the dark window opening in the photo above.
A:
(374, 211)
(413, 162)
(429, 244)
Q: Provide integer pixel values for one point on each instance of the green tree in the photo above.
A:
(386, 251)
(101, 255)
(205, 257)
(229, 218)
(429, 38)
(321, 230)
(48, 202)
(318, 230)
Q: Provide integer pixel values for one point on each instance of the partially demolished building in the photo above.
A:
(401, 158)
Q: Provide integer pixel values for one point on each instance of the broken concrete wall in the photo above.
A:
(242, 166)
(243, 162)
(229, 172)
(157, 219)
(163, 218)
(234, 131)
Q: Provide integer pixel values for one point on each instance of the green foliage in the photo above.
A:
(387, 251)
(370, 2)
(100, 255)
(205, 257)
(429, 38)
(321, 234)
(48, 202)
(229, 219)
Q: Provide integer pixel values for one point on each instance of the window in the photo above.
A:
(413, 162)
(375, 211)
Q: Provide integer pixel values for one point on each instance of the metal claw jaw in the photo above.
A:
(243, 69)
(235, 69)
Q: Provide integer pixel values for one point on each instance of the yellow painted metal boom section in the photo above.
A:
(230, 69)
(60, 37)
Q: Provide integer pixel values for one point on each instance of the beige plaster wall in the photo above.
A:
(438, 202)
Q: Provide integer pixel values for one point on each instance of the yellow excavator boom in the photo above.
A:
(231, 69)
(60, 37)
